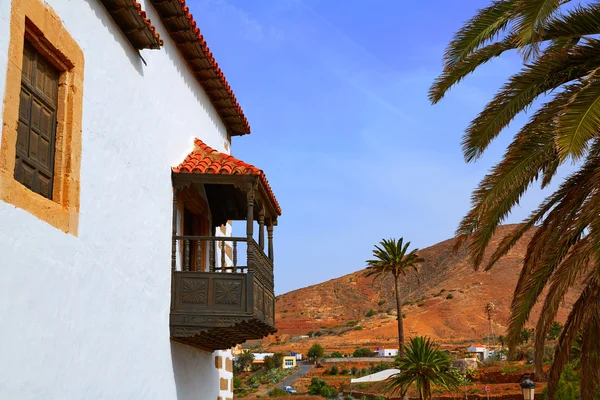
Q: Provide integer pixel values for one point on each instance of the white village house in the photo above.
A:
(478, 350)
(121, 278)
(386, 352)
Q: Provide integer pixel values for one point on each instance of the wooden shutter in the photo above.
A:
(36, 135)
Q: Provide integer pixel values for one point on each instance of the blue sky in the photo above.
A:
(336, 95)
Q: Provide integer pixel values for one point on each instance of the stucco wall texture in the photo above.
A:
(87, 316)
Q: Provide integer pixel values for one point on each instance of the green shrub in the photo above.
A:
(237, 383)
(316, 351)
(354, 371)
(381, 302)
(334, 370)
(420, 304)
(358, 328)
(407, 303)
(277, 392)
(568, 385)
(274, 361)
(336, 354)
(462, 379)
(555, 330)
(449, 296)
(320, 388)
(363, 352)
(403, 315)
(253, 382)
(370, 313)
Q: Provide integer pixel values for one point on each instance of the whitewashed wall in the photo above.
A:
(87, 317)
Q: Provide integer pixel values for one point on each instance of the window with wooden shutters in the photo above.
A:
(42, 114)
(36, 132)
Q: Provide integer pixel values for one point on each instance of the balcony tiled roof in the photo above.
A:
(134, 23)
(206, 160)
(181, 25)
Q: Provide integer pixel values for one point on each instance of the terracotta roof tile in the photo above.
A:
(183, 29)
(134, 23)
(206, 160)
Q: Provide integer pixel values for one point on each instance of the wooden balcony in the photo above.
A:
(215, 302)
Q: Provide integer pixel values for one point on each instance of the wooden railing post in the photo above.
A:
(186, 255)
(270, 238)
(174, 231)
(261, 229)
(250, 226)
(211, 254)
(250, 212)
(223, 262)
(234, 255)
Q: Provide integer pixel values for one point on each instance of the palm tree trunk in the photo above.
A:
(399, 317)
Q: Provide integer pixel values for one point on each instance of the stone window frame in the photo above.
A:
(39, 24)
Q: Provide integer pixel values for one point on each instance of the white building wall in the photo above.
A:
(87, 317)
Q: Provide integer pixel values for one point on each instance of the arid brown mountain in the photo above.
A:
(447, 304)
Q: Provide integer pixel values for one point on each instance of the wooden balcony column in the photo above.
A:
(174, 232)
(250, 195)
(261, 229)
(270, 238)
(250, 210)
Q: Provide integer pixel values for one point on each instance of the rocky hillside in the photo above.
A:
(446, 304)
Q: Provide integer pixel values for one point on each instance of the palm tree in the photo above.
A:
(392, 258)
(557, 39)
(425, 366)
(501, 340)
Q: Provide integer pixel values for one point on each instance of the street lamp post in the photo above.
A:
(528, 387)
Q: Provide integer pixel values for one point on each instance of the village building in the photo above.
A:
(479, 350)
(386, 352)
(289, 362)
(259, 358)
(122, 276)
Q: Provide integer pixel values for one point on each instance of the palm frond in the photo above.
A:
(533, 16)
(578, 22)
(559, 231)
(423, 365)
(554, 68)
(566, 275)
(452, 75)
(579, 119)
(577, 318)
(503, 187)
(590, 354)
(564, 31)
(482, 28)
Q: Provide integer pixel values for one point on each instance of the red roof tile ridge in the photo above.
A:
(206, 160)
(213, 62)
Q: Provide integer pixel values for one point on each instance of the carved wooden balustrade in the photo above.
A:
(219, 299)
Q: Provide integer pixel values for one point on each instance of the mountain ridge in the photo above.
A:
(447, 304)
